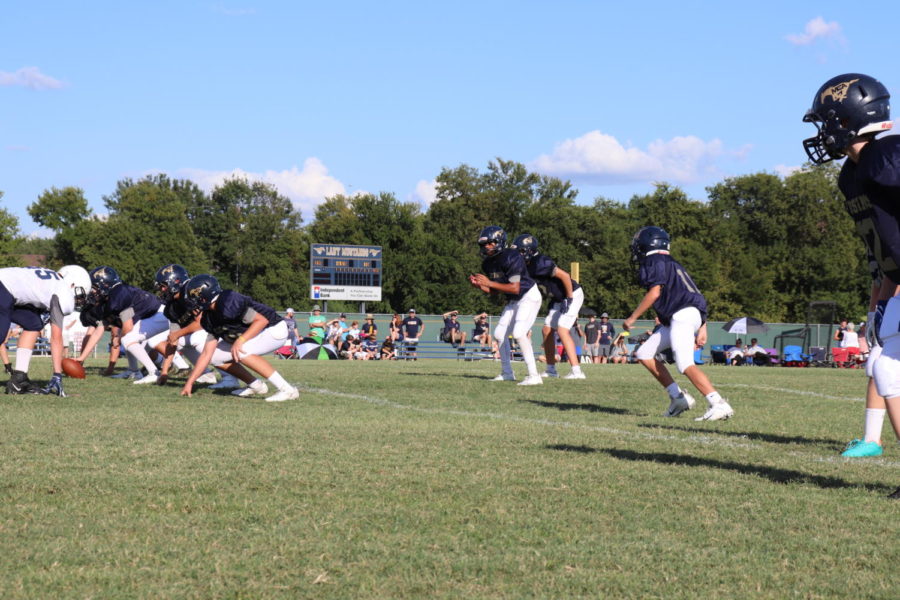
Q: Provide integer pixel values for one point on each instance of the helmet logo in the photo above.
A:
(838, 92)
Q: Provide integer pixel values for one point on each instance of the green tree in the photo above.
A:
(9, 238)
(255, 241)
(147, 227)
(61, 210)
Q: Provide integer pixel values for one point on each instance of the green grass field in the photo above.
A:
(426, 480)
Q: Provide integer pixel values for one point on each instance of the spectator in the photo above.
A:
(387, 349)
(355, 331)
(333, 334)
(850, 338)
(735, 354)
(317, 323)
(342, 321)
(369, 328)
(592, 339)
(619, 353)
(370, 348)
(412, 328)
(452, 333)
(482, 334)
(396, 328)
(292, 326)
(839, 333)
(757, 353)
(346, 348)
(607, 331)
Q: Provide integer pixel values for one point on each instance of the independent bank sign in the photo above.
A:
(345, 272)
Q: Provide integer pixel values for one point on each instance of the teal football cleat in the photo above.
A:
(859, 449)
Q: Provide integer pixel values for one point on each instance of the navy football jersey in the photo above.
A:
(122, 297)
(507, 267)
(678, 289)
(541, 269)
(94, 314)
(871, 191)
(234, 313)
(177, 312)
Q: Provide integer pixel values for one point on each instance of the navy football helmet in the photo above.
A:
(846, 107)
(200, 292)
(527, 245)
(169, 280)
(494, 234)
(647, 240)
(103, 279)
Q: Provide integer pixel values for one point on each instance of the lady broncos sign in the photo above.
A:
(341, 272)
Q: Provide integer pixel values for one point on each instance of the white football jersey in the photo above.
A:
(35, 286)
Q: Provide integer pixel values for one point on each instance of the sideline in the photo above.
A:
(709, 440)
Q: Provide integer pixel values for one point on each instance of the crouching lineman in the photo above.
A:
(27, 293)
(139, 312)
(240, 330)
(184, 332)
(566, 298)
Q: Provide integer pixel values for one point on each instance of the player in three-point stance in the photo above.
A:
(27, 293)
(681, 309)
(848, 112)
(505, 272)
(566, 298)
(240, 330)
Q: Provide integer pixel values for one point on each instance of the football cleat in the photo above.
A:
(290, 393)
(575, 375)
(860, 449)
(126, 374)
(682, 403)
(717, 412)
(208, 377)
(502, 377)
(547, 374)
(257, 387)
(532, 380)
(20, 384)
(147, 379)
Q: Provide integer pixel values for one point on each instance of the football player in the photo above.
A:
(849, 111)
(181, 336)
(140, 313)
(240, 330)
(566, 298)
(681, 309)
(505, 272)
(27, 293)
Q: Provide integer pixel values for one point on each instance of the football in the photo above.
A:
(73, 368)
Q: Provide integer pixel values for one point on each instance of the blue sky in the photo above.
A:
(325, 98)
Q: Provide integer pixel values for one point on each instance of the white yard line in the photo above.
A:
(710, 440)
(790, 391)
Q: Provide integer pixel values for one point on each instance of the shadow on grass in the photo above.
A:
(594, 408)
(773, 474)
(754, 435)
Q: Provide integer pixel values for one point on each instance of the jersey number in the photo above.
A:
(44, 273)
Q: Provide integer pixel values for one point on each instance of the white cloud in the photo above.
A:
(601, 158)
(31, 78)
(425, 192)
(786, 171)
(814, 30)
(306, 187)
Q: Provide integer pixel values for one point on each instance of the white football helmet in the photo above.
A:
(79, 282)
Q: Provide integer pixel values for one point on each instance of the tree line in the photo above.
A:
(759, 245)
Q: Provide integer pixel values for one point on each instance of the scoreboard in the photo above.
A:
(342, 272)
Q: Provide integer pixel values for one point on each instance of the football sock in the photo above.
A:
(23, 359)
(674, 390)
(576, 369)
(137, 350)
(506, 358)
(874, 423)
(279, 382)
(713, 398)
(528, 355)
(551, 368)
